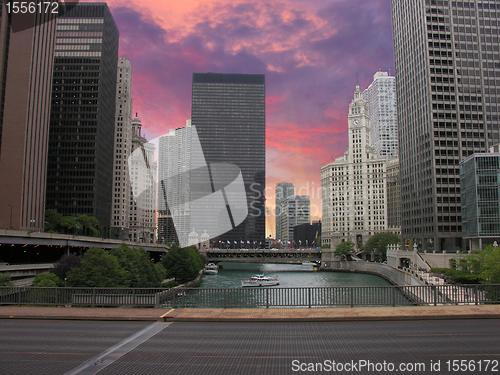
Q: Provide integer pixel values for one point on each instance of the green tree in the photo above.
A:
(47, 280)
(183, 263)
(343, 249)
(53, 221)
(484, 264)
(88, 225)
(142, 272)
(161, 271)
(377, 244)
(5, 280)
(98, 269)
(57, 223)
(63, 265)
(68, 225)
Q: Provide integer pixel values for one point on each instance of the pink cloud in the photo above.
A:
(312, 52)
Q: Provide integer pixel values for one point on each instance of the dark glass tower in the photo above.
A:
(228, 111)
(81, 139)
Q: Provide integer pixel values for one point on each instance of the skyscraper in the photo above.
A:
(228, 111)
(283, 191)
(381, 99)
(354, 186)
(26, 62)
(174, 164)
(120, 219)
(447, 68)
(82, 125)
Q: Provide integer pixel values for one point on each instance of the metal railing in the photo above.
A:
(255, 297)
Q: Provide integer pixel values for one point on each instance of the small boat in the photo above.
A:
(310, 264)
(260, 280)
(211, 269)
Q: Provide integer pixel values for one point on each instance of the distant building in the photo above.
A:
(143, 176)
(80, 178)
(381, 99)
(283, 191)
(228, 111)
(26, 65)
(174, 179)
(120, 219)
(295, 210)
(354, 186)
(479, 190)
(307, 235)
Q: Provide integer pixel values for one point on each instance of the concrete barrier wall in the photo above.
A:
(394, 275)
(441, 260)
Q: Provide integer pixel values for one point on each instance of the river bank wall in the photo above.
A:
(393, 275)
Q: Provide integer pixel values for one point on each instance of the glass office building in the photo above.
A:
(447, 62)
(228, 111)
(82, 119)
(480, 187)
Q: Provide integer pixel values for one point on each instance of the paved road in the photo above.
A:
(59, 347)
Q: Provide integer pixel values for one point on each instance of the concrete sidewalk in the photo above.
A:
(326, 314)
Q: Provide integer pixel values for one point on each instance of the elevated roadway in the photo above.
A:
(26, 238)
(18, 271)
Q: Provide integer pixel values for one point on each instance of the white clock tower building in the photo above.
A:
(354, 186)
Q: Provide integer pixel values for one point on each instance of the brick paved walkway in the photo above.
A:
(257, 314)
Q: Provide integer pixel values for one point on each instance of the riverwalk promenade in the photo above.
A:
(324, 314)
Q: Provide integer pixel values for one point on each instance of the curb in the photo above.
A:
(328, 319)
(76, 317)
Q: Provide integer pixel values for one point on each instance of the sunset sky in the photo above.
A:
(313, 53)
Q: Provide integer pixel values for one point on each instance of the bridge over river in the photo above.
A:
(291, 256)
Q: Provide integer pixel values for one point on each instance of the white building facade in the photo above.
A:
(380, 97)
(143, 176)
(354, 186)
(174, 184)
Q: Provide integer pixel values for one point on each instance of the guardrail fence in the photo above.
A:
(254, 297)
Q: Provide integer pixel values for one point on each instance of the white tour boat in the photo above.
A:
(211, 269)
(314, 264)
(260, 280)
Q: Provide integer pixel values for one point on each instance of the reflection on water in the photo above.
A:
(290, 275)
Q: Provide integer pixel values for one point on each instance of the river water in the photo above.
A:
(289, 275)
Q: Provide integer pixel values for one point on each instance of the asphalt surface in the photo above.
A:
(117, 347)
